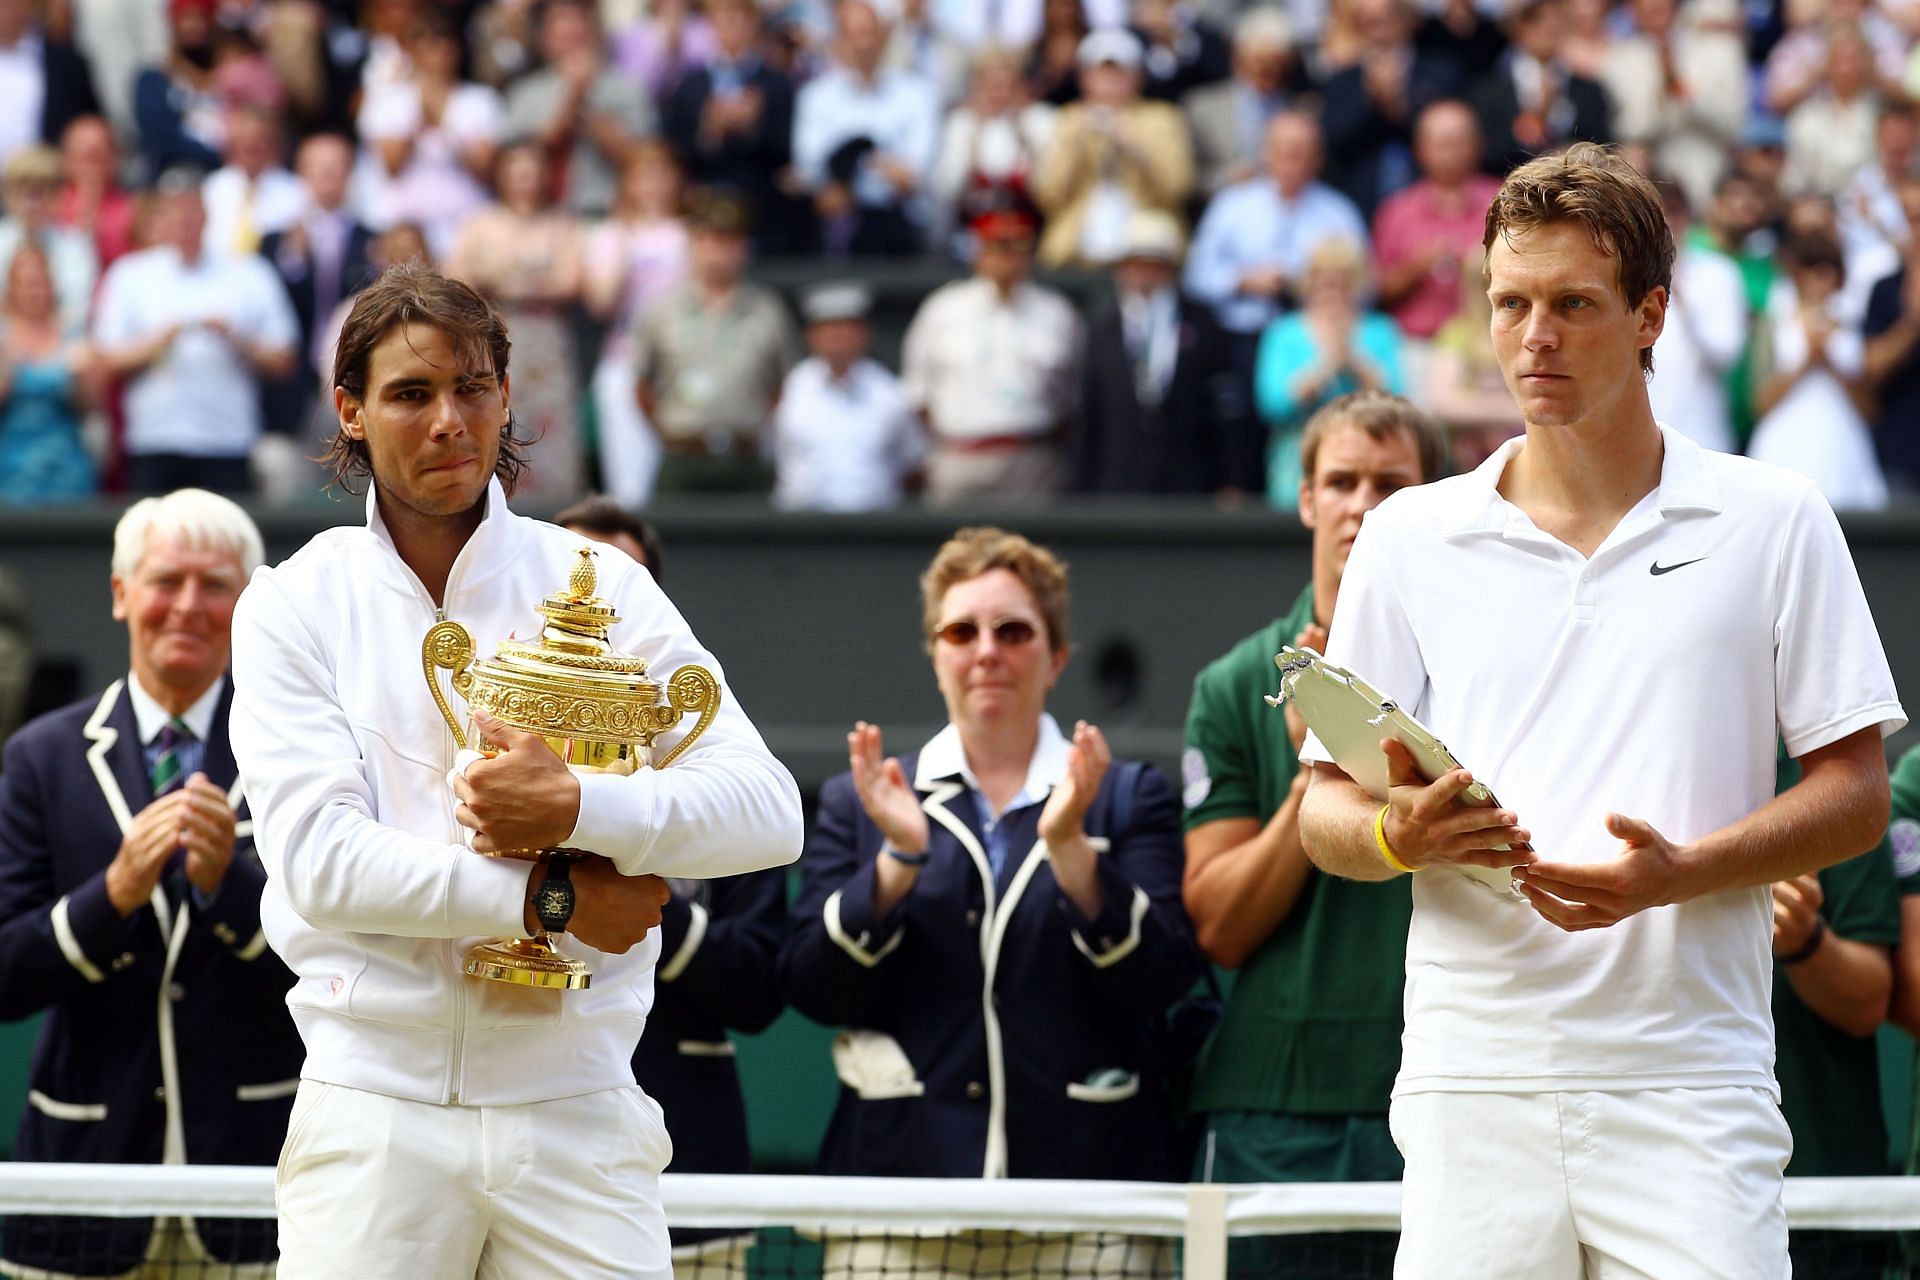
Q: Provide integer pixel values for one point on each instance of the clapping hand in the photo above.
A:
(890, 802)
(1063, 821)
(1312, 636)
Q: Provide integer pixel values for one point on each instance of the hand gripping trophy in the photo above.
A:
(594, 706)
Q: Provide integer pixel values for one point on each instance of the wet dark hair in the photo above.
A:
(413, 293)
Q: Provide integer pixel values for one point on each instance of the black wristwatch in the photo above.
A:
(553, 900)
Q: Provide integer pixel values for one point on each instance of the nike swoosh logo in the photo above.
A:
(1656, 569)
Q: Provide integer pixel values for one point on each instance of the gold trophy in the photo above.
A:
(595, 707)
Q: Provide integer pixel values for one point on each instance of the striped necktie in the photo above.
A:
(166, 765)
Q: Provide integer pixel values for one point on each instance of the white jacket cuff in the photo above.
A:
(488, 895)
(616, 817)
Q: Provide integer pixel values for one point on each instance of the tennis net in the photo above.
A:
(217, 1224)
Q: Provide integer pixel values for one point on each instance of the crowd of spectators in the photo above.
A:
(206, 183)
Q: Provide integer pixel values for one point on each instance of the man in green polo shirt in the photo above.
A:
(1293, 1085)
(1833, 940)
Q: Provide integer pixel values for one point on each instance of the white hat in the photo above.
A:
(836, 301)
(1152, 233)
(1110, 44)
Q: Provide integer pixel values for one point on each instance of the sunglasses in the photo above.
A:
(1008, 632)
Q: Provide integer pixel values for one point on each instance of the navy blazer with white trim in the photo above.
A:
(1030, 1030)
(127, 1005)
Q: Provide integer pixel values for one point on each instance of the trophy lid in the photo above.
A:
(571, 681)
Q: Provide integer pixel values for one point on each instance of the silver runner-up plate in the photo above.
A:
(1350, 717)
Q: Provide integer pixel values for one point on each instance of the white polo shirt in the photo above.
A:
(1648, 680)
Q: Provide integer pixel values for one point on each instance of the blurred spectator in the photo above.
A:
(1033, 1056)
(1814, 405)
(1593, 30)
(1830, 135)
(1735, 227)
(191, 332)
(46, 385)
(431, 139)
(1229, 119)
(993, 143)
(1331, 346)
(921, 44)
(321, 259)
(1680, 86)
(130, 915)
(93, 200)
(396, 246)
(661, 49)
(1797, 64)
(1460, 31)
(1161, 405)
(994, 364)
(524, 254)
(1055, 66)
(253, 195)
(844, 437)
(31, 197)
(1834, 935)
(633, 259)
(1868, 209)
(1865, 264)
(709, 358)
(864, 140)
(1253, 244)
(732, 121)
(1113, 153)
(582, 112)
(179, 114)
(1181, 48)
(1295, 1084)
(1369, 108)
(1893, 355)
(1704, 337)
(118, 40)
(44, 82)
(1465, 388)
(1423, 235)
(1532, 101)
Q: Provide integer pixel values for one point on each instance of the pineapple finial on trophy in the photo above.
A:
(584, 581)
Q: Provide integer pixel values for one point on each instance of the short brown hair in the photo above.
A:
(413, 293)
(1380, 414)
(972, 552)
(596, 513)
(1593, 186)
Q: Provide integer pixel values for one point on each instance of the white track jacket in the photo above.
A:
(373, 898)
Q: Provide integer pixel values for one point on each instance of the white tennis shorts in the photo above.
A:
(1658, 1184)
(372, 1186)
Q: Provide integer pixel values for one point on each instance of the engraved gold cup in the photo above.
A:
(597, 709)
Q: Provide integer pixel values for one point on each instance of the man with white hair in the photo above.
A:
(1229, 118)
(130, 915)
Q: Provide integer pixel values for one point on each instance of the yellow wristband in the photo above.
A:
(1386, 850)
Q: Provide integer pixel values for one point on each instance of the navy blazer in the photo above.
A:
(167, 1037)
(1030, 1034)
(719, 940)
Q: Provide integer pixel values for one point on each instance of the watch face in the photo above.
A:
(553, 903)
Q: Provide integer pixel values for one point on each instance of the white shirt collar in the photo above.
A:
(1686, 484)
(150, 717)
(944, 757)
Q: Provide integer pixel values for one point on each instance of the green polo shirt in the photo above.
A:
(1313, 1023)
(1903, 838)
(1829, 1080)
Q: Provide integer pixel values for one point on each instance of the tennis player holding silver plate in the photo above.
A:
(1351, 718)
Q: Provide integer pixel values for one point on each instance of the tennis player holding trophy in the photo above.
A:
(1608, 625)
(470, 928)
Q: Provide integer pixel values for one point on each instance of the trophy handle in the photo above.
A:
(692, 688)
(448, 644)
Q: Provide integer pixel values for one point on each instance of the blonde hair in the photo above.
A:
(201, 520)
(972, 552)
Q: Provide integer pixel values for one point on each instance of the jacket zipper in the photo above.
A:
(454, 1066)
